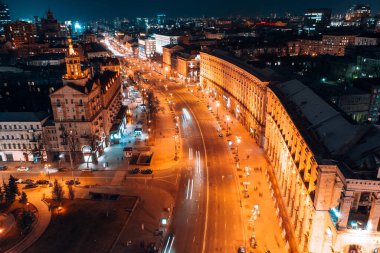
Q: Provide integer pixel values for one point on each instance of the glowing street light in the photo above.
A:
(228, 118)
(217, 107)
(238, 140)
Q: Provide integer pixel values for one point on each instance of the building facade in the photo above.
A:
(336, 44)
(147, 48)
(188, 67)
(20, 32)
(322, 165)
(164, 40)
(4, 15)
(239, 87)
(316, 21)
(325, 168)
(84, 110)
(21, 136)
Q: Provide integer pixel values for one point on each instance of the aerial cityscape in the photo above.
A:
(198, 127)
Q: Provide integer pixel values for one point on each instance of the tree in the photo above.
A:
(57, 191)
(1, 195)
(71, 191)
(23, 198)
(9, 197)
(13, 187)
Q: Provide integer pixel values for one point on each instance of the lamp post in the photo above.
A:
(217, 109)
(175, 147)
(227, 119)
(238, 140)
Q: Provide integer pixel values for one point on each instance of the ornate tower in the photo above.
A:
(74, 73)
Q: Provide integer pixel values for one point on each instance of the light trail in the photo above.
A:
(186, 114)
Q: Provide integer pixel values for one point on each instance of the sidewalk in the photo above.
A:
(43, 221)
(146, 218)
(164, 132)
(249, 154)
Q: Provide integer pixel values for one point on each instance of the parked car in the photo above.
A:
(28, 181)
(72, 182)
(147, 171)
(220, 135)
(3, 167)
(241, 249)
(134, 171)
(22, 168)
(43, 182)
(29, 186)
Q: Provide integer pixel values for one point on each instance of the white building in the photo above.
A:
(367, 40)
(163, 40)
(147, 48)
(21, 137)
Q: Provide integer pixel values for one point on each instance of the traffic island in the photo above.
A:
(85, 225)
(16, 225)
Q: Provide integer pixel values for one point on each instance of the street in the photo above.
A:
(196, 164)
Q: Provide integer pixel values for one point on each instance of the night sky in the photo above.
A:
(93, 9)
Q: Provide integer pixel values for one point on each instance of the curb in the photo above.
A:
(124, 226)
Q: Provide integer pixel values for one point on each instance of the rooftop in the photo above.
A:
(23, 116)
(264, 74)
(329, 134)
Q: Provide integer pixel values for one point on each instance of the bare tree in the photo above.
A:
(71, 191)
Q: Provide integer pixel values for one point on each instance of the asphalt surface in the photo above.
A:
(199, 226)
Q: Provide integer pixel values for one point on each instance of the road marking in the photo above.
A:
(167, 244)
(170, 249)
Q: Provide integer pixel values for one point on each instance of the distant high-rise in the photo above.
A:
(161, 19)
(357, 14)
(316, 20)
(20, 32)
(50, 28)
(377, 23)
(4, 15)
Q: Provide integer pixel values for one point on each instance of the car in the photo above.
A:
(29, 186)
(3, 167)
(220, 135)
(28, 181)
(22, 168)
(134, 171)
(241, 249)
(72, 182)
(43, 182)
(147, 171)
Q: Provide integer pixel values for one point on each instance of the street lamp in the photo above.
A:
(217, 107)
(227, 119)
(238, 140)
(175, 147)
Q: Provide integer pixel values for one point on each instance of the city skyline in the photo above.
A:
(102, 9)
